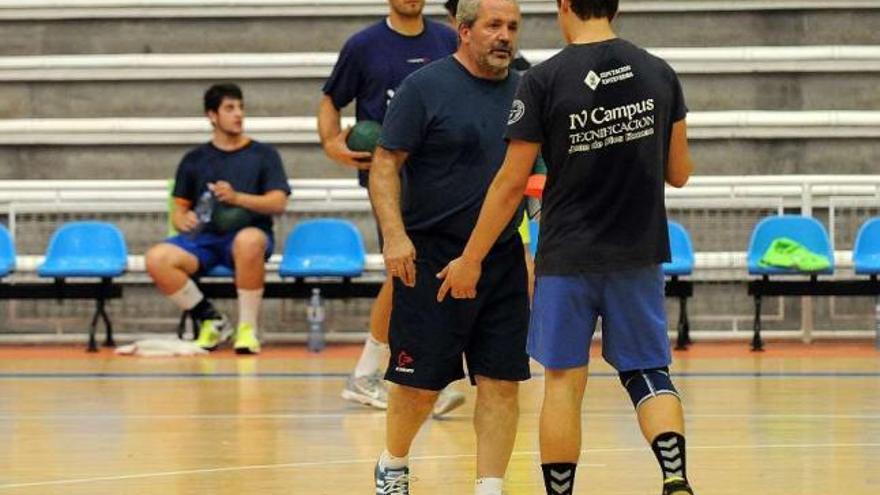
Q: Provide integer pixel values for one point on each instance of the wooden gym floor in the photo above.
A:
(796, 419)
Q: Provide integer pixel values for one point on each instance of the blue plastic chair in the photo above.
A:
(804, 230)
(85, 249)
(7, 252)
(220, 271)
(682, 251)
(866, 253)
(682, 263)
(88, 249)
(534, 232)
(326, 247)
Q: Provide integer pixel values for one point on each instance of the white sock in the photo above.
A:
(249, 306)
(374, 356)
(489, 486)
(386, 460)
(188, 296)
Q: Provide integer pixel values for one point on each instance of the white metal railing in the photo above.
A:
(804, 193)
(120, 67)
(739, 124)
(123, 9)
(805, 190)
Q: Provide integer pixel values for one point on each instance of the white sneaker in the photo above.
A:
(447, 401)
(368, 390)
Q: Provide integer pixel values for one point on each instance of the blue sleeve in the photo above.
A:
(406, 120)
(273, 177)
(184, 182)
(344, 82)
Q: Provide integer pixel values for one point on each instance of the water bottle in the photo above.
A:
(315, 316)
(203, 210)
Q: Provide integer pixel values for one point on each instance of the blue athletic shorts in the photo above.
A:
(631, 304)
(213, 249)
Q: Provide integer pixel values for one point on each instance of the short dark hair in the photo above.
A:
(451, 6)
(215, 94)
(593, 9)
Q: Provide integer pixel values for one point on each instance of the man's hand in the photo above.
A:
(460, 277)
(337, 149)
(224, 192)
(187, 222)
(400, 259)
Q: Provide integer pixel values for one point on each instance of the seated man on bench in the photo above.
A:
(225, 192)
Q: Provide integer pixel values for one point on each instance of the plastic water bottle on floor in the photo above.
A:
(315, 316)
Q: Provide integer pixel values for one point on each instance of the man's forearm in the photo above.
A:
(271, 203)
(329, 120)
(385, 192)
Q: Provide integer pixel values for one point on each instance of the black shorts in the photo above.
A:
(428, 338)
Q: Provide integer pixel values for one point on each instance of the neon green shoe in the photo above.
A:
(246, 340)
(787, 253)
(212, 333)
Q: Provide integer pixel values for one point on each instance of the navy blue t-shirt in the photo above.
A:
(374, 62)
(253, 169)
(452, 124)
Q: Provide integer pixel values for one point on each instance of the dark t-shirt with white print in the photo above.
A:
(603, 113)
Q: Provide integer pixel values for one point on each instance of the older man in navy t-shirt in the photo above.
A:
(445, 133)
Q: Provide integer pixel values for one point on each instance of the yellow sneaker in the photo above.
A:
(212, 333)
(246, 340)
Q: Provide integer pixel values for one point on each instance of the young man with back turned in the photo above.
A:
(609, 119)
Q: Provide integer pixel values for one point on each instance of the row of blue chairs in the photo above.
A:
(334, 248)
(315, 248)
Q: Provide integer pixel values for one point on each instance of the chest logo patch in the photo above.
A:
(592, 80)
(517, 110)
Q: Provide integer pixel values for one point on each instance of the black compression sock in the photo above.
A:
(559, 478)
(669, 449)
(204, 310)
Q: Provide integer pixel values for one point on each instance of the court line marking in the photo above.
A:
(626, 413)
(321, 376)
(162, 474)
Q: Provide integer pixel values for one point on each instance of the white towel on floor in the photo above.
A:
(161, 348)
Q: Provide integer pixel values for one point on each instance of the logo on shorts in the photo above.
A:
(404, 361)
(516, 112)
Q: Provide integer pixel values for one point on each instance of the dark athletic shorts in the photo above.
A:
(428, 338)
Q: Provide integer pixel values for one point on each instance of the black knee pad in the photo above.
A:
(645, 384)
